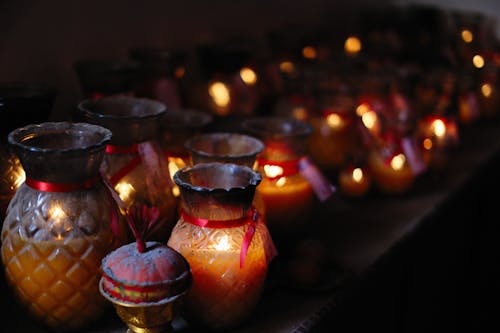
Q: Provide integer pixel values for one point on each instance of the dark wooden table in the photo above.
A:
(362, 238)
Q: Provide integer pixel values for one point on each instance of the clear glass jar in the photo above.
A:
(226, 245)
(60, 223)
(135, 164)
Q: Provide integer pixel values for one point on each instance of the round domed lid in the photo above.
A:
(157, 273)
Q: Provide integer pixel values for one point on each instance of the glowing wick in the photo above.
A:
(467, 36)
(478, 61)
(219, 93)
(273, 171)
(427, 143)
(287, 67)
(357, 175)
(439, 128)
(352, 45)
(398, 161)
(486, 89)
(223, 244)
(334, 120)
(309, 52)
(248, 76)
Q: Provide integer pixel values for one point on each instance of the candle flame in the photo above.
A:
(439, 128)
(486, 89)
(281, 182)
(174, 164)
(467, 36)
(125, 191)
(179, 72)
(369, 119)
(309, 52)
(478, 61)
(398, 161)
(427, 144)
(334, 121)
(219, 93)
(222, 244)
(287, 67)
(273, 171)
(352, 45)
(57, 213)
(299, 113)
(362, 109)
(357, 175)
(248, 76)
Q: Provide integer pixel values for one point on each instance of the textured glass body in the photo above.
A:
(135, 163)
(53, 241)
(225, 288)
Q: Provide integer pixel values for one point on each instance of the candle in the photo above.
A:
(392, 175)
(437, 135)
(223, 292)
(288, 201)
(354, 182)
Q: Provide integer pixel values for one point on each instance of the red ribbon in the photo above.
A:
(290, 167)
(127, 168)
(113, 149)
(250, 219)
(61, 187)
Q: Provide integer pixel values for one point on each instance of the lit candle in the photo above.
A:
(354, 182)
(221, 97)
(352, 45)
(393, 174)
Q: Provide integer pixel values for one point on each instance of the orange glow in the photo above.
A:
(398, 161)
(248, 76)
(486, 89)
(174, 164)
(357, 175)
(478, 61)
(352, 45)
(438, 128)
(334, 121)
(287, 67)
(222, 244)
(309, 52)
(369, 119)
(299, 113)
(467, 36)
(362, 109)
(125, 191)
(427, 144)
(19, 177)
(220, 94)
(273, 171)
(179, 72)
(281, 182)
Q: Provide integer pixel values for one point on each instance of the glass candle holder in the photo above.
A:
(178, 126)
(21, 103)
(60, 223)
(288, 196)
(226, 245)
(135, 164)
(226, 147)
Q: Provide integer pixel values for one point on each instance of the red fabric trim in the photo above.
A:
(113, 149)
(61, 187)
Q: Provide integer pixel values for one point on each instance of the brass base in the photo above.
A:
(158, 329)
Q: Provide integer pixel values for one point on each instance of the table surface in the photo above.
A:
(356, 234)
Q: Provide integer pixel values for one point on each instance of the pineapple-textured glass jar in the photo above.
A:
(60, 223)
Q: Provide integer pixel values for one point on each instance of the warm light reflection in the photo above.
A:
(174, 164)
(19, 177)
(478, 61)
(248, 76)
(179, 72)
(125, 191)
(427, 144)
(222, 244)
(398, 161)
(273, 171)
(438, 128)
(369, 119)
(281, 182)
(352, 45)
(362, 109)
(299, 113)
(357, 175)
(334, 120)
(309, 52)
(486, 89)
(219, 93)
(287, 67)
(467, 36)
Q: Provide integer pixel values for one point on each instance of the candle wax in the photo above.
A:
(351, 187)
(387, 178)
(57, 280)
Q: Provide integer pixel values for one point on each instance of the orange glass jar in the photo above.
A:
(60, 223)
